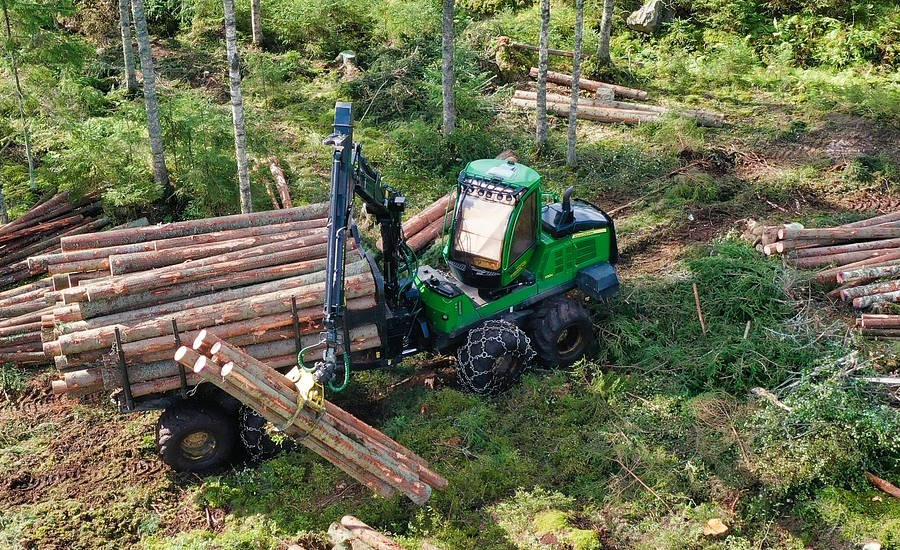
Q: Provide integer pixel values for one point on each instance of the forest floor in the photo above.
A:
(639, 446)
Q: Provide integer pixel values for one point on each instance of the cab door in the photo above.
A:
(522, 238)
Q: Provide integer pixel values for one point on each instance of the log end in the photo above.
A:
(215, 348)
(200, 364)
(198, 341)
(227, 368)
(52, 348)
(180, 353)
(58, 387)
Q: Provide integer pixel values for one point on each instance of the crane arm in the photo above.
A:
(352, 176)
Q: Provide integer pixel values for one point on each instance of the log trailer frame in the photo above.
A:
(514, 252)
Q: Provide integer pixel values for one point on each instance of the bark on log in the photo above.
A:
(284, 190)
(843, 248)
(368, 535)
(843, 258)
(194, 227)
(122, 264)
(831, 275)
(235, 310)
(876, 220)
(871, 299)
(868, 273)
(864, 290)
(592, 85)
(298, 250)
(596, 114)
(426, 236)
(888, 231)
(707, 118)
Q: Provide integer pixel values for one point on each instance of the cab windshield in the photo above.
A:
(480, 229)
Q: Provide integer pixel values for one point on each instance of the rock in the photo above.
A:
(872, 546)
(714, 527)
(648, 18)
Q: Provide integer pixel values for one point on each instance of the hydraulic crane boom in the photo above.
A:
(351, 175)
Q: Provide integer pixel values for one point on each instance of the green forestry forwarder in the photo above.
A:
(514, 252)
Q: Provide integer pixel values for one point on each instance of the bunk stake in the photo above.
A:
(123, 371)
(181, 373)
(296, 321)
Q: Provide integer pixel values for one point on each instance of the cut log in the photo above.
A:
(592, 85)
(840, 259)
(887, 231)
(193, 227)
(284, 191)
(596, 114)
(843, 248)
(368, 535)
(425, 237)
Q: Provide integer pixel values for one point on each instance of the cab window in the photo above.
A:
(525, 232)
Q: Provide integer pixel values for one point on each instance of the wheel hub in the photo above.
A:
(569, 341)
(198, 445)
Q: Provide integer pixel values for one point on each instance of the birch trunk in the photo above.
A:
(127, 46)
(571, 159)
(237, 107)
(605, 30)
(543, 59)
(256, 21)
(151, 102)
(20, 96)
(447, 68)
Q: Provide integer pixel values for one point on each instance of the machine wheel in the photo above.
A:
(562, 331)
(493, 357)
(252, 428)
(196, 438)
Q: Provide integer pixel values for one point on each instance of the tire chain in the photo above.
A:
(252, 434)
(479, 337)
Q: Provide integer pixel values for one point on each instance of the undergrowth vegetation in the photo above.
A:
(639, 446)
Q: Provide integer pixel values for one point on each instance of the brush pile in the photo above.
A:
(243, 276)
(604, 105)
(366, 454)
(861, 260)
(39, 231)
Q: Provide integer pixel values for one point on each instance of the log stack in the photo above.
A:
(366, 454)
(860, 261)
(242, 276)
(604, 107)
(21, 310)
(40, 229)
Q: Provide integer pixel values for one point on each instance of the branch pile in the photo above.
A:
(39, 231)
(241, 276)
(860, 260)
(604, 107)
(366, 454)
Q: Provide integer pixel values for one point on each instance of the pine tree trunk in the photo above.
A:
(543, 59)
(571, 159)
(151, 102)
(237, 107)
(127, 47)
(447, 66)
(605, 30)
(256, 21)
(4, 215)
(20, 96)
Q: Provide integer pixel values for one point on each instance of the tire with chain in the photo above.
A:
(193, 437)
(493, 357)
(257, 443)
(562, 331)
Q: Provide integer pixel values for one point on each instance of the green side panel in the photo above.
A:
(554, 263)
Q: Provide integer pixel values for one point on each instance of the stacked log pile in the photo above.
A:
(22, 307)
(39, 231)
(604, 105)
(366, 454)
(859, 261)
(243, 276)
